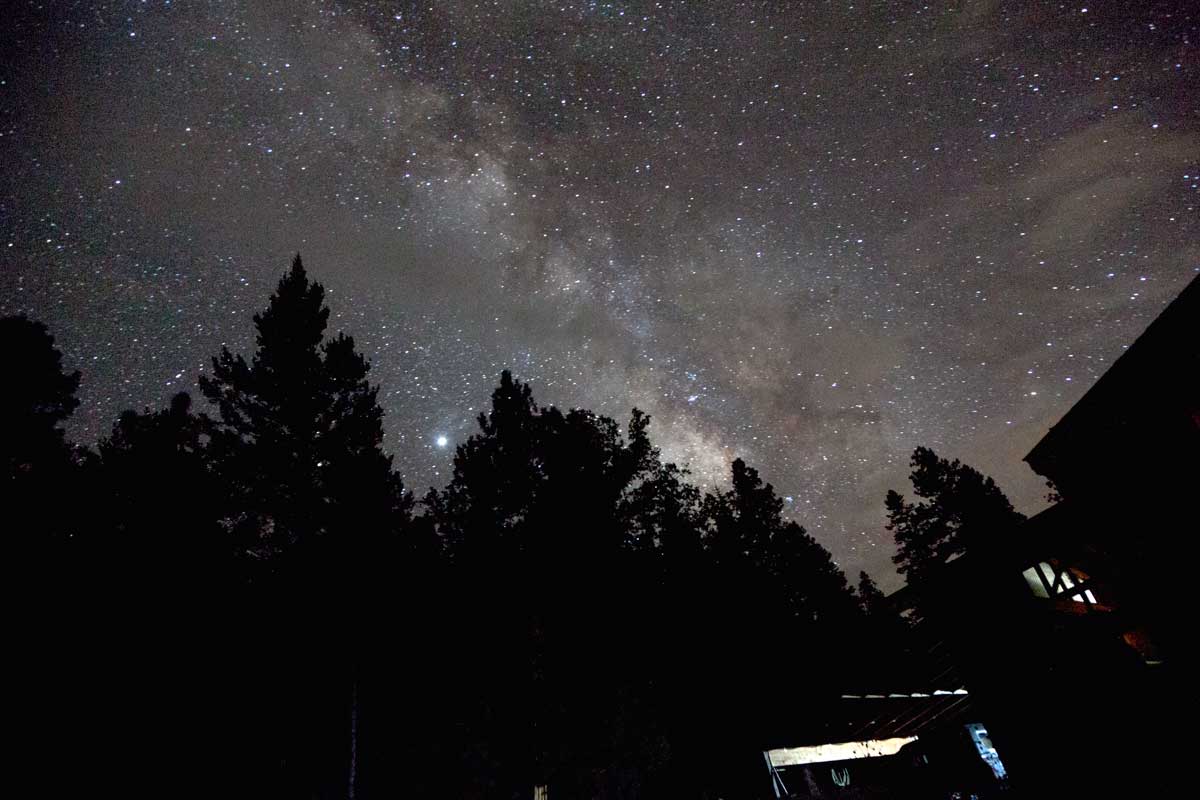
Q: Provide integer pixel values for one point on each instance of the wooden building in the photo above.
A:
(1070, 630)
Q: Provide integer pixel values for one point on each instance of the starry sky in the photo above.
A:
(814, 235)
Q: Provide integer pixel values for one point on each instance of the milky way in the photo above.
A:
(814, 235)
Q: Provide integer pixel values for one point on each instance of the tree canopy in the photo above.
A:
(958, 508)
(299, 436)
(551, 615)
(37, 401)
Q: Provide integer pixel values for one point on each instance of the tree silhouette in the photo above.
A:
(747, 524)
(568, 610)
(43, 508)
(160, 499)
(870, 597)
(958, 508)
(270, 413)
(662, 514)
(35, 403)
(39, 467)
(743, 519)
(496, 477)
(300, 434)
(768, 585)
(314, 510)
(534, 519)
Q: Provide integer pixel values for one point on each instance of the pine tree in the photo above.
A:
(744, 518)
(300, 433)
(496, 477)
(959, 508)
(38, 397)
(42, 507)
(39, 468)
(870, 597)
(814, 587)
(535, 520)
(769, 585)
(747, 524)
(314, 508)
(661, 514)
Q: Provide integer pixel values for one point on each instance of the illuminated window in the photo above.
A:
(1049, 581)
(841, 751)
(1033, 576)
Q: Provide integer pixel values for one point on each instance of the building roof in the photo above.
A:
(915, 687)
(1145, 409)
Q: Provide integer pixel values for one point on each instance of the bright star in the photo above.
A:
(442, 441)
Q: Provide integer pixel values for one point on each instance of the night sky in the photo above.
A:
(814, 235)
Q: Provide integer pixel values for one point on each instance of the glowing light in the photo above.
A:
(843, 751)
(442, 441)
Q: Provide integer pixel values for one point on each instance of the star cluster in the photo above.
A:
(814, 235)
